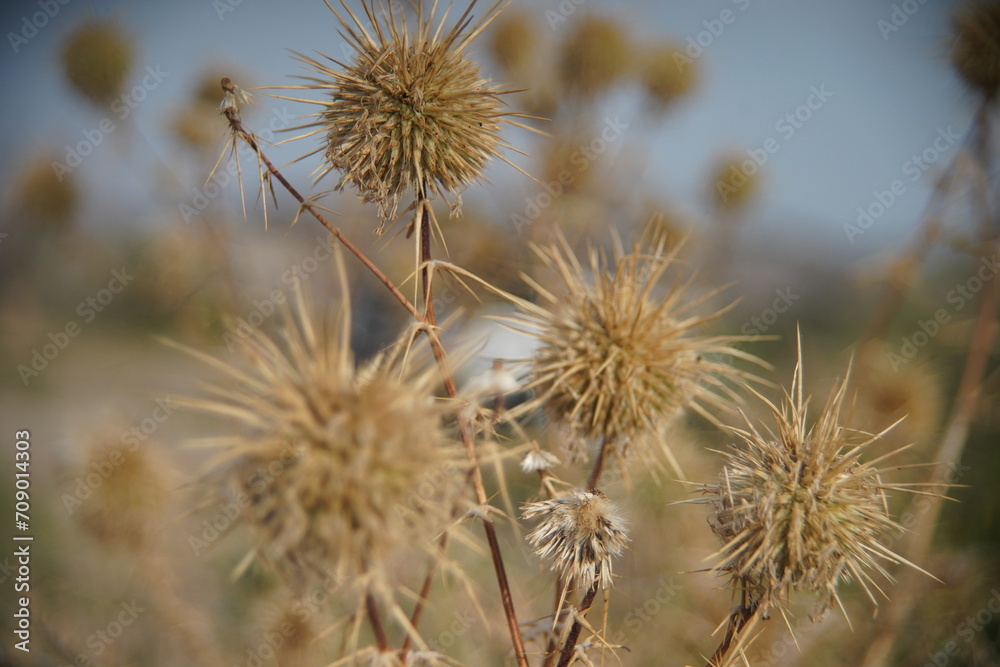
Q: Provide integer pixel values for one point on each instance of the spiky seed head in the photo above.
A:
(411, 110)
(595, 55)
(46, 200)
(667, 75)
(797, 509)
(125, 508)
(97, 58)
(732, 186)
(618, 358)
(975, 46)
(345, 466)
(513, 41)
(580, 533)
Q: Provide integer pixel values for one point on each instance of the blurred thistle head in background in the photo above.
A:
(345, 465)
(975, 47)
(96, 60)
(410, 112)
(618, 358)
(797, 508)
(595, 55)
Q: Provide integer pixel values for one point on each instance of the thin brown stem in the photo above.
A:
(566, 655)
(437, 349)
(375, 619)
(737, 621)
(595, 473)
(959, 424)
(425, 591)
(424, 214)
(237, 126)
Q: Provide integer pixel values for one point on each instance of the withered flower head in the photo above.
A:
(618, 358)
(975, 46)
(797, 508)
(96, 59)
(580, 533)
(410, 112)
(594, 56)
(345, 466)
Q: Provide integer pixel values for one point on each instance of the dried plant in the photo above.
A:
(580, 533)
(975, 47)
(797, 508)
(411, 113)
(345, 445)
(618, 361)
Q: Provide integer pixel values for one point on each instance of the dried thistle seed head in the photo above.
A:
(667, 75)
(975, 46)
(733, 186)
(616, 359)
(411, 113)
(580, 533)
(344, 466)
(513, 41)
(796, 508)
(129, 492)
(595, 55)
(96, 59)
(46, 200)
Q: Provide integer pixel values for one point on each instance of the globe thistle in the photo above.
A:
(975, 47)
(734, 186)
(617, 360)
(343, 466)
(594, 56)
(411, 112)
(580, 533)
(797, 508)
(667, 75)
(96, 59)
(129, 493)
(513, 41)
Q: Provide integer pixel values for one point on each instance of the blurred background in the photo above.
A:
(824, 160)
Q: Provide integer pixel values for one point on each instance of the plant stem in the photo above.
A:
(956, 431)
(376, 622)
(595, 474)
(237, 126)
(437, 348)
(468, 441)
(737, 621)
(566, 655)
(425, 591)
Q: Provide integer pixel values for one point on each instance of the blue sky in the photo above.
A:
(888, 95)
